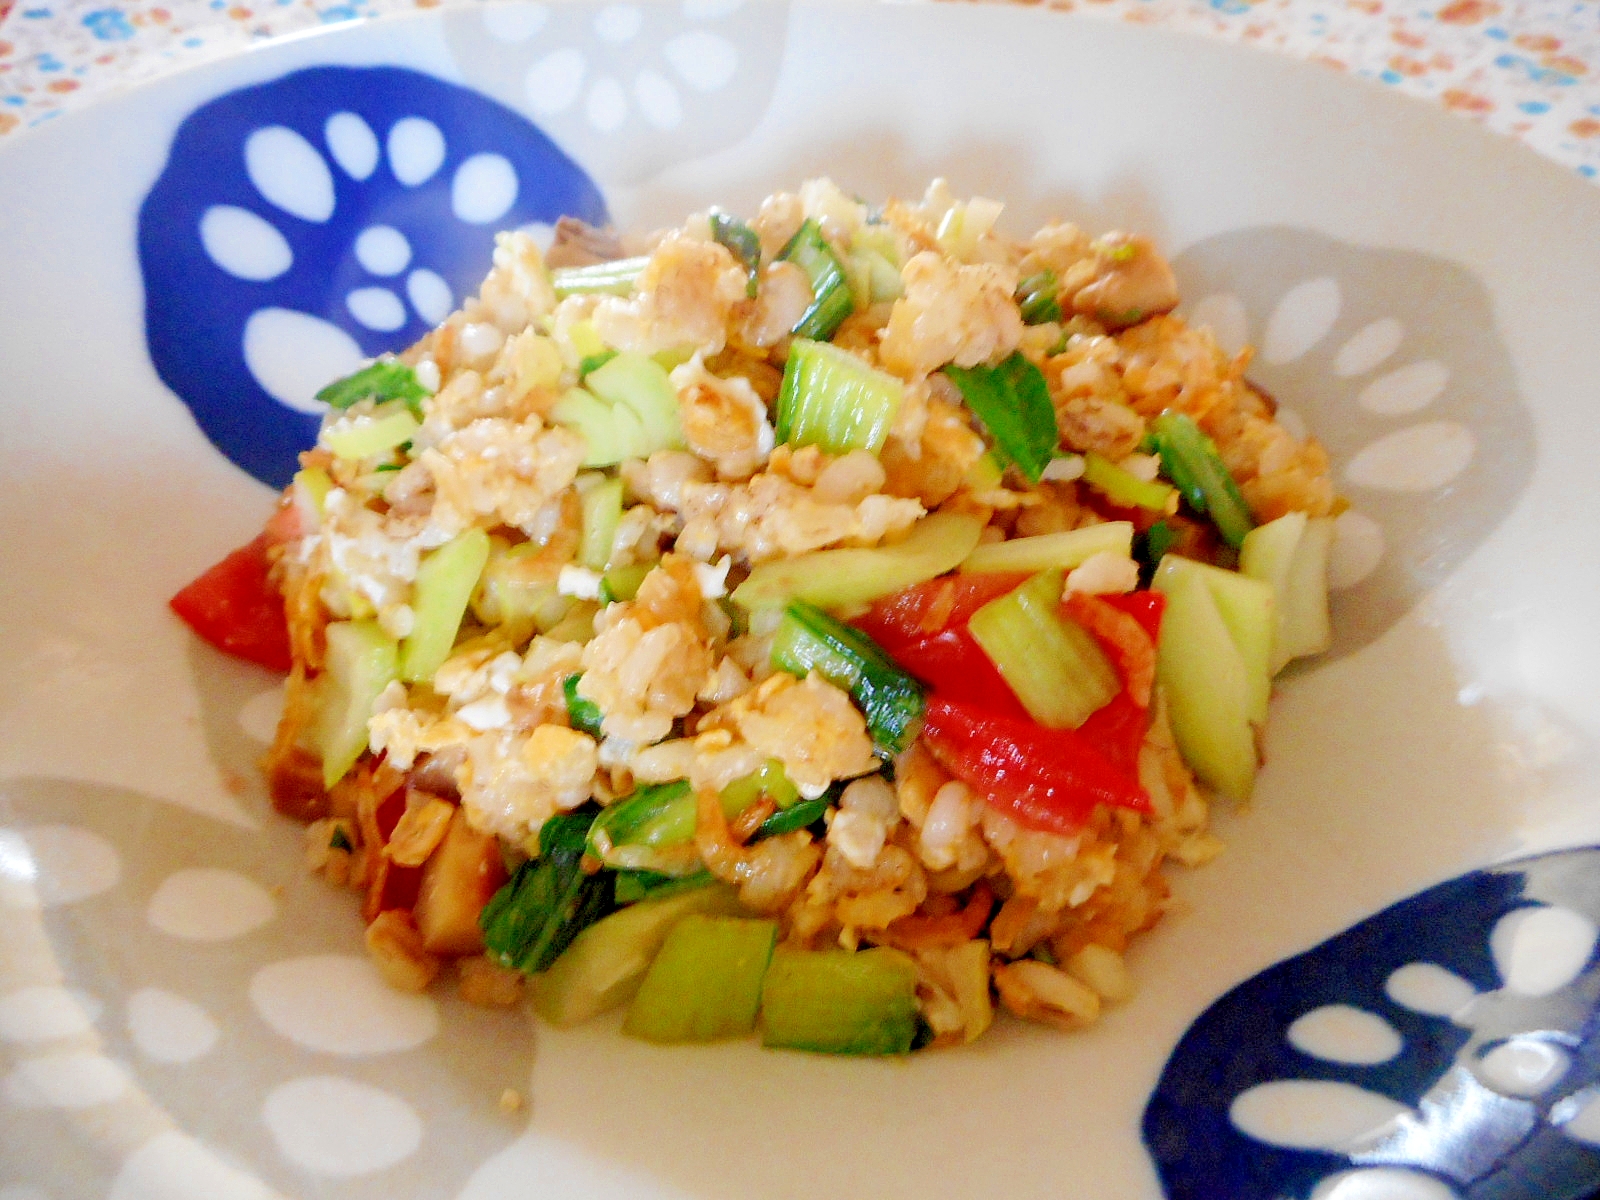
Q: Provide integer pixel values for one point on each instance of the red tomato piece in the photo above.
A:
(1116, 729)
(236, 608)
(924, 609)
(1048, 779)
(953, 664)
(1144, 607)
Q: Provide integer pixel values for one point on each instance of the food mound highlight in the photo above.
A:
(825, 623)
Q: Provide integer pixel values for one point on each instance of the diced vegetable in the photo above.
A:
(800, 815)
(649, 829)
(706, 981)
(445, 583)
(769, 781)
(1290, 554)
(808, 639)
(601, 506)
(549, 901)
(622, 583)
(1052, 663)
(1013, 403)
(832, 399)
(236, 608)
(587, 346)
(606, 963)
(1052, 551)
(1036, 298)
(875, 248)
(1307, 628)
(1247, 609)
(1207, 688)
(831, 301)
(637, 383)
(1043, 778)
(1152, 544)
(633, 886)
(615, 278)
(838, 1002)
(964, 225)
(458, 880)
(612, 432)
(741, 241)
(386, 379)
(362, 660)
(388, 426)
(518, 585)
(1190, 459)
(583, 715)
(1126, 489)
(847, 578)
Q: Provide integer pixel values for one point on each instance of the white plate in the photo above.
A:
(145, 883)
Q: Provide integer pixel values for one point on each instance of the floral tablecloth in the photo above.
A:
(1530, 70)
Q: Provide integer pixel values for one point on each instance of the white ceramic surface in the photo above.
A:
(162, 1062)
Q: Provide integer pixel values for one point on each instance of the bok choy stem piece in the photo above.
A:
(808, 639)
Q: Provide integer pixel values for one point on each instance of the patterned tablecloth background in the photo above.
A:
(1528, 69)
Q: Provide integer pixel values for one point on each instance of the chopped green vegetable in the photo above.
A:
(1207, 687)
(611, 432)
(1126, 489)
(1054, 665)
(808, 639)
(769, 780)
(1036, 298)
(549, 901)
(361, 661)
(742, 242)
(1052, 551)
(638, 383)
(1013, 402)
(1247, 609)
(831, 301)
(832, 399)
(389, 425)
(1307, 626)
(801, 815)
(838, 1002)
(340, 840)
(633, 886)
(445, 583)
(606, 963)
(584, 715)
(1150, 546)
(1190, 459)
(386, 379)
(615, 278)
(638, 831)
(706, 981)
(622, 583)
(593, 362)
(1290, 554)
(517, 586)
(845, 578)
(601, 506)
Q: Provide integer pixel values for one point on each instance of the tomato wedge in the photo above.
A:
(953, 664)
(1049, 779)
(236, 608)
